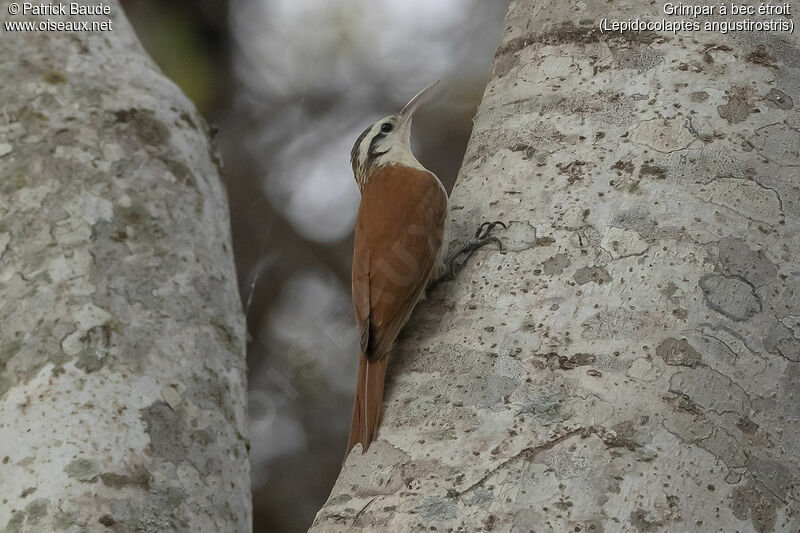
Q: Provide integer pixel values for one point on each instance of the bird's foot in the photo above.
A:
(459, 256)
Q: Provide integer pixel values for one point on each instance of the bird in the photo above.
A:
(397, 251)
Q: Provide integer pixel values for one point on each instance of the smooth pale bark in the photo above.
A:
(632, 361)
(122, 371)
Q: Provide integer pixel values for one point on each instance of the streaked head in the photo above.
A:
(387, 141)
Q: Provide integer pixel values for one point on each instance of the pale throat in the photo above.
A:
(376, 149)
(400, 156)
(396, 154)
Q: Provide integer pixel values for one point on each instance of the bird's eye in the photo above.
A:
(386, 127)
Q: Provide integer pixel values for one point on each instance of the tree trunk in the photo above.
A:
(122, 371)
(633, 362)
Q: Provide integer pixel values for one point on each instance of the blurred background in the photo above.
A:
(289, 85)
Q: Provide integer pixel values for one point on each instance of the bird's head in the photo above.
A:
(386, 142)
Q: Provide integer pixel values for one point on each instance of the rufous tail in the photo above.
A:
(368, 403)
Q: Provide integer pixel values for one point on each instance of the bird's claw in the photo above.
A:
(483, 236)
(489, 227)
(487, 240)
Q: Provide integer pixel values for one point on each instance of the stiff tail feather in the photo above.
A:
(368, 403)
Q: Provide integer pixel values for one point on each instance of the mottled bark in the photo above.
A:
(122, 372)
(631, 362)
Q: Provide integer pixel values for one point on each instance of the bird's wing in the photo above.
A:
(397, 237)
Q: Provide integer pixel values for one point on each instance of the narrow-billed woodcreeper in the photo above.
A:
(397, 251)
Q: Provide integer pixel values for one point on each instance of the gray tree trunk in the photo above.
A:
(632, 361)
(122, 371)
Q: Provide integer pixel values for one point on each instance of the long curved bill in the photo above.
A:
(412, 106)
